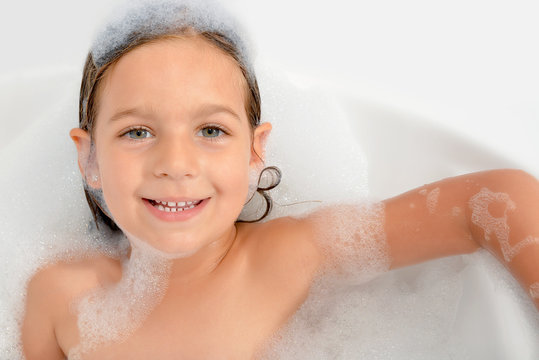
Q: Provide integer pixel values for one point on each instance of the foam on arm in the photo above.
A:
(497, 210)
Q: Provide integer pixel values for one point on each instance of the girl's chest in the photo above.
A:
(233, 323)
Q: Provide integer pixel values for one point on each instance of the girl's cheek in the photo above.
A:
(235, 173)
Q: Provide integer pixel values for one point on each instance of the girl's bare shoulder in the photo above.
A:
(65, 279)
(285, 245)
(49, 298)
(56, 285)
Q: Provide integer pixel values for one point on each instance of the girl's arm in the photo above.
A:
(38, 334)
(497, 210)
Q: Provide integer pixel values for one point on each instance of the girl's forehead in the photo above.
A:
(174, 70)
(177, 54)
(175, 64)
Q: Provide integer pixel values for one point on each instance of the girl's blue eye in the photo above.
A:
(211, 132)
(137, 134)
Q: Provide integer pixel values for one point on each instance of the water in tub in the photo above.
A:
(363, 141)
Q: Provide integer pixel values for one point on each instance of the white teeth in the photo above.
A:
(174, 204)
(170, 206)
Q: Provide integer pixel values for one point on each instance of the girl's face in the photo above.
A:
(174, 145)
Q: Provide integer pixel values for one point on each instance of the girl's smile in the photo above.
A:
(175, 211)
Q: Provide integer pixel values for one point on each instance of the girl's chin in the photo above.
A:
(162, 250)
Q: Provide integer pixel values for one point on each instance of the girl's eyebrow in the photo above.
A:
(136, 112)
(202, 111)
(209, 109)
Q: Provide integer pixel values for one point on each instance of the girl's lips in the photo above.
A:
(183, 212)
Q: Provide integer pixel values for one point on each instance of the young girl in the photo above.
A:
(171, 148)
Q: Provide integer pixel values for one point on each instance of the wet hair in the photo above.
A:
(95, 72)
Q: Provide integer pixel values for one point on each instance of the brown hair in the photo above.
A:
(90, 90)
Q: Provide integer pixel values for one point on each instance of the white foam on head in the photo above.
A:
(150, 18)
(108, 315)
(481, 217)
(456, 211)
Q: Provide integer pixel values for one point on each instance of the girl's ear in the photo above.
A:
(86, 159)
(258, 151)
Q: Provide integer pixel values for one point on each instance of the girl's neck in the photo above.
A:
(189, 268)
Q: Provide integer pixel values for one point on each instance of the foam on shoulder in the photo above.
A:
(108, 315)
(353, 239)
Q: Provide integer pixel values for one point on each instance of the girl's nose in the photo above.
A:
(175, 158)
